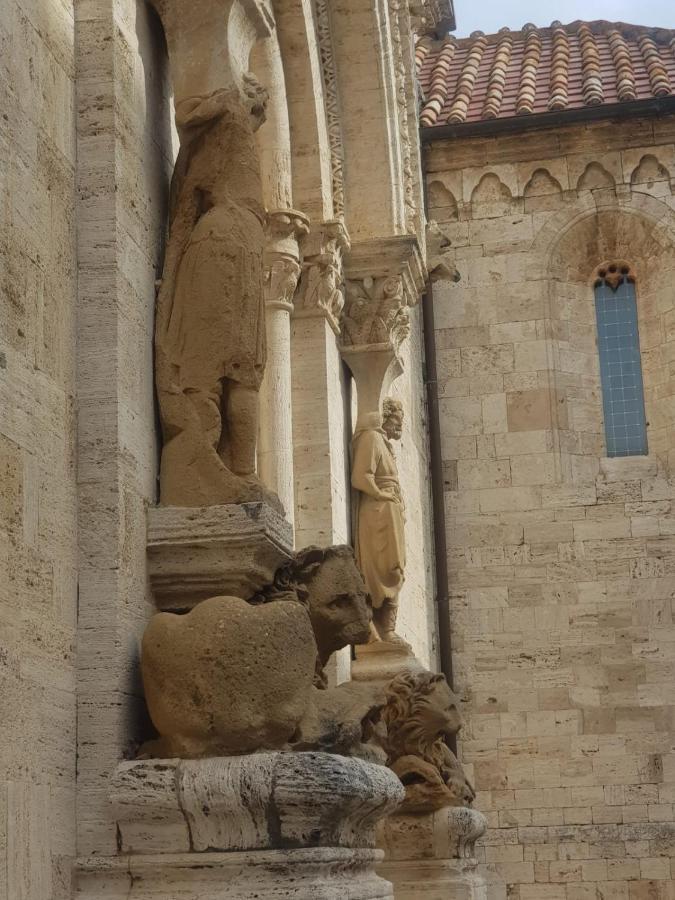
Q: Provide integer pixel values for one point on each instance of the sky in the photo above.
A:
(491, 15)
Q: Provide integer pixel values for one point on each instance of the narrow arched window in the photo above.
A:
(620, 365)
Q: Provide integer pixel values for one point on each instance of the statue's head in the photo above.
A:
(421, 710)
(328, 582)
(392, 418)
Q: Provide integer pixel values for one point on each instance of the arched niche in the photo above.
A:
(641, 236)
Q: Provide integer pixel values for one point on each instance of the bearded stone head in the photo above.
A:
(392, 418)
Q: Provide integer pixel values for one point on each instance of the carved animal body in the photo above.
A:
(233, 677)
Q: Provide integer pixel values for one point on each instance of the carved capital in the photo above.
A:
(432, 16)
(321, 290)
(285, 227)
(384, 279)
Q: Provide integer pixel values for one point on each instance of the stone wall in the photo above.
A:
(38, 580)
(561, 561)
(125, 157)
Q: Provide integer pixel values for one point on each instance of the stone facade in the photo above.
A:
(38, 539)
(560, 559)
(87, 128)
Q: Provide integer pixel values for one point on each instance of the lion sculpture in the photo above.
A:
(234, 676)
(420, 715)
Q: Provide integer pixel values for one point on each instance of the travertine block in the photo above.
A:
(205, 552)
(261, 826)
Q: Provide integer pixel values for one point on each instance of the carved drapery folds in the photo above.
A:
(210, 328)
(321, 291)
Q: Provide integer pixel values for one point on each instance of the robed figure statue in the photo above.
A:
(379, 516)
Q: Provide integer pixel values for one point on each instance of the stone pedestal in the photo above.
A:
(204, 552)
(382, 661)
(429, 856)
(264, 826)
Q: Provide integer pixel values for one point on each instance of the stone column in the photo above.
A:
(282, 270)
(318, 398)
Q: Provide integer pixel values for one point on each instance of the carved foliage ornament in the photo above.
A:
(376, 312)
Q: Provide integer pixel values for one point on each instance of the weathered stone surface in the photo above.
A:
(269, 825)
(298, 874)
(227, 677)
(259, 801)
(198, 553)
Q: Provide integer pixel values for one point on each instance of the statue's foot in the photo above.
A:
(374, 634)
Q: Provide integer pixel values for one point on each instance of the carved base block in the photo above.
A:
(203, 552)
(435, 879)
(307, 874)
(264, 826)
(429, 856)
(382, 661)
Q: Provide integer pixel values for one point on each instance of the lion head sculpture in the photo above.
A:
(420, 715)
(328, 583)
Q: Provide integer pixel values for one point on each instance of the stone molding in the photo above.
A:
(320, 292)
(196, 553)
(406, 92)
(332, 104)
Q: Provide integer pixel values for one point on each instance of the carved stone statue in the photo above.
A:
(421, 712)
(379, 516)
(210, 329)
(232, 676)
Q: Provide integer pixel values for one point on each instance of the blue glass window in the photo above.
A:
(620, 368)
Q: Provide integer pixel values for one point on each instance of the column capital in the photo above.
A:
(384, 278)
(321, 283)
(285, 227)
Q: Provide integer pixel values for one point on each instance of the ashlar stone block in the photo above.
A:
(196, 553)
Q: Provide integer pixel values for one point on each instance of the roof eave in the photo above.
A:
(657, 106)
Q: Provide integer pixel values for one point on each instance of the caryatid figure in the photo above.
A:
(379, 516)
(210, 323)
(211, 326)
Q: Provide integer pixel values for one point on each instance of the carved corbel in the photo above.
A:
(285, 228)
(440, 264)
(321, 291)
(384, 279)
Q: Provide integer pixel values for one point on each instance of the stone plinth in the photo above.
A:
(382, 661)
(195, 553)
(264, 826)
(429, 856)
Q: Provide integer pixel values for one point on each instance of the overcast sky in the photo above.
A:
(491, 15)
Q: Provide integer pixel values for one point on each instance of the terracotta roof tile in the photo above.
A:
(540, 70)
